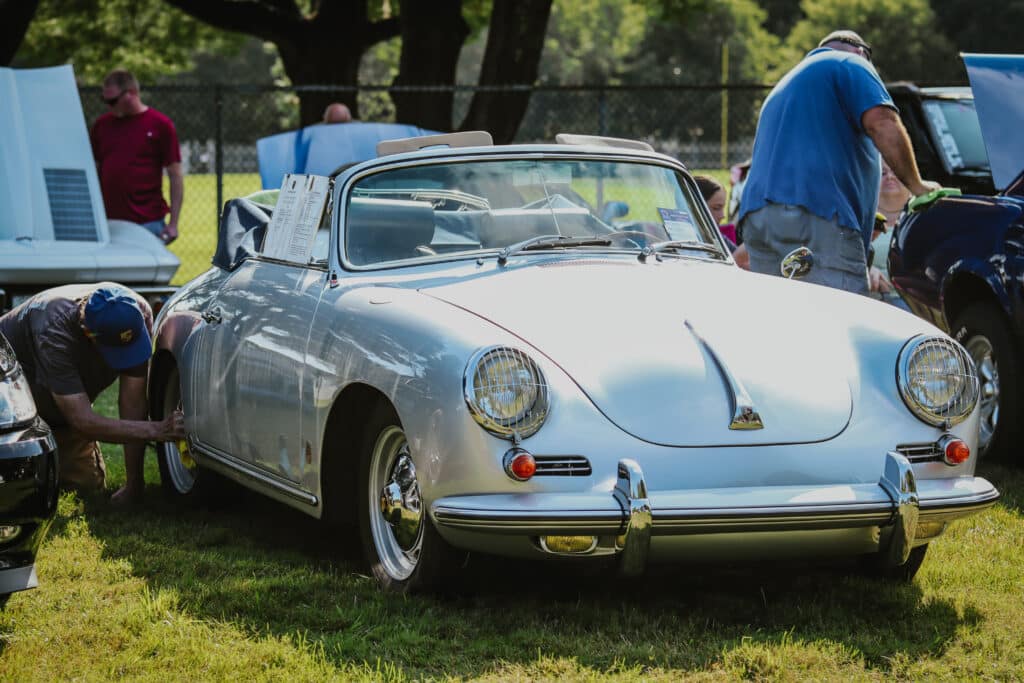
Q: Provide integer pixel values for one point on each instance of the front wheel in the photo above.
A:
(981, 329)
(404, 551)
(180, 475)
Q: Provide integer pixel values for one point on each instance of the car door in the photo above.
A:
(256, 356)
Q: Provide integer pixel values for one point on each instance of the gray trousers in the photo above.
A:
(840, 260)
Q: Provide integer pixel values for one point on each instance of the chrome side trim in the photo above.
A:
(744, 414)
(265, 478)
(898, 481)
(631, 492)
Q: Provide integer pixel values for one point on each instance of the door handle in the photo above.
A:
(213, 316)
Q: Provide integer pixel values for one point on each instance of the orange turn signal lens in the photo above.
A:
(520, 465)
(956, 451)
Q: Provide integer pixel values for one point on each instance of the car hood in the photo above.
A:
(998, 85)
(661, 349)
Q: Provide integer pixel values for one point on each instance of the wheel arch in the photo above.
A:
(160, 366)
(340, 445)
(964, 288)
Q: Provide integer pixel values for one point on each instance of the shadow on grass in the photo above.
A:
(271, 570)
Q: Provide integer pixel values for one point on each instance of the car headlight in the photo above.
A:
(937, 380)
(506, 392)
(7, 360)
(16, 404)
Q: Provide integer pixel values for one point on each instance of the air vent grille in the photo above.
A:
(70, 205)
(920, 452)
(562, 466)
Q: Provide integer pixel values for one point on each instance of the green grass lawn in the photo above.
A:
(254, 591)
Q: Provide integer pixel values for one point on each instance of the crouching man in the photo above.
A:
(72, 343)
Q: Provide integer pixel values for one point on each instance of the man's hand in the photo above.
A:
(170, 233)
(925, 187)
(878, 281)
(742, 257)
(172, 427)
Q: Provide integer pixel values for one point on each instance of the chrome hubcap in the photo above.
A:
(980, 350)
(396, 515)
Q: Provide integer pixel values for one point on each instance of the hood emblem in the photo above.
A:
(744, 414)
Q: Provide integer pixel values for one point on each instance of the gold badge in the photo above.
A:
(126, 336)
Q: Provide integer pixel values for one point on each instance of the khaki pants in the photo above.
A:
(81, 462)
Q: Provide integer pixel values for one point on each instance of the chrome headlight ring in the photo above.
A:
(937, 380)
(506, 392)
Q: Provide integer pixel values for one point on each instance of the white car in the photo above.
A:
(53, 228)
(477, 357)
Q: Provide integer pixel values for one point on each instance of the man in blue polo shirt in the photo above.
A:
(815, 171)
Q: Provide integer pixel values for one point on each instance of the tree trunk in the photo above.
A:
(15, 16)
(323, 47)
(432, 36)
(514, 45)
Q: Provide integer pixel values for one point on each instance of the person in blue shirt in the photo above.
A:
(815, 171)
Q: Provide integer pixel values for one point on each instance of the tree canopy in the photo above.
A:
(145, 36)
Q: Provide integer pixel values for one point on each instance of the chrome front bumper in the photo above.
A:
(632, 515)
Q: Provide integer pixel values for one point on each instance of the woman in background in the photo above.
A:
(892, 197)
(714, 196)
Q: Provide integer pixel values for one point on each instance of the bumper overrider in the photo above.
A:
(28, 502)
(894, 514)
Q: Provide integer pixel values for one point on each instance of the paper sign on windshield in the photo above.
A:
(296, 218)
(678, 224)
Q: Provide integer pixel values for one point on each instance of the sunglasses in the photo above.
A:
(111, 101)
(864, 48)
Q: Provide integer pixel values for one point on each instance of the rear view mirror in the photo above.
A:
(797, 263)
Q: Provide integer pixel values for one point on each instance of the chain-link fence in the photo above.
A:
(708, 127)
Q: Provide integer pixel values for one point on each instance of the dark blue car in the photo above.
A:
(960, 261)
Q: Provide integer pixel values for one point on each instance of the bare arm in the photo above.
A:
(177, 183)
(885, 129)
(77, 410)
(133, 407)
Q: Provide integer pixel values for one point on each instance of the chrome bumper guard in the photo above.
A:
(897, 481)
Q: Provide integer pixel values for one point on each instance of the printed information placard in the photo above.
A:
(297, 215)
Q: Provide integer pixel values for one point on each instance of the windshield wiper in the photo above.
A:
(550, 242)
(656, 249)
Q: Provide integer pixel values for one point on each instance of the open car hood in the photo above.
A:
(998, 85)
(657, 348)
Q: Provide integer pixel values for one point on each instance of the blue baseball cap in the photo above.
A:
(116, 324)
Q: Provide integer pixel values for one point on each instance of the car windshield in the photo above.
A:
(446, 209)
(954, 123)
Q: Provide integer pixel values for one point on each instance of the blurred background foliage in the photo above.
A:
(614, 42)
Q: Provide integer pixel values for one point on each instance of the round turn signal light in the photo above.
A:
(520, 465)
(955, 451)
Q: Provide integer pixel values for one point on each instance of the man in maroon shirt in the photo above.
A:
(132, 144)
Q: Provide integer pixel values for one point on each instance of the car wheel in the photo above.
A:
(180, 475)
(988, 341)
(404, 551)
(904, 573)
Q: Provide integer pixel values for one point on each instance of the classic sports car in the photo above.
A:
(958, 262)
(28, 478)
(547, 351)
